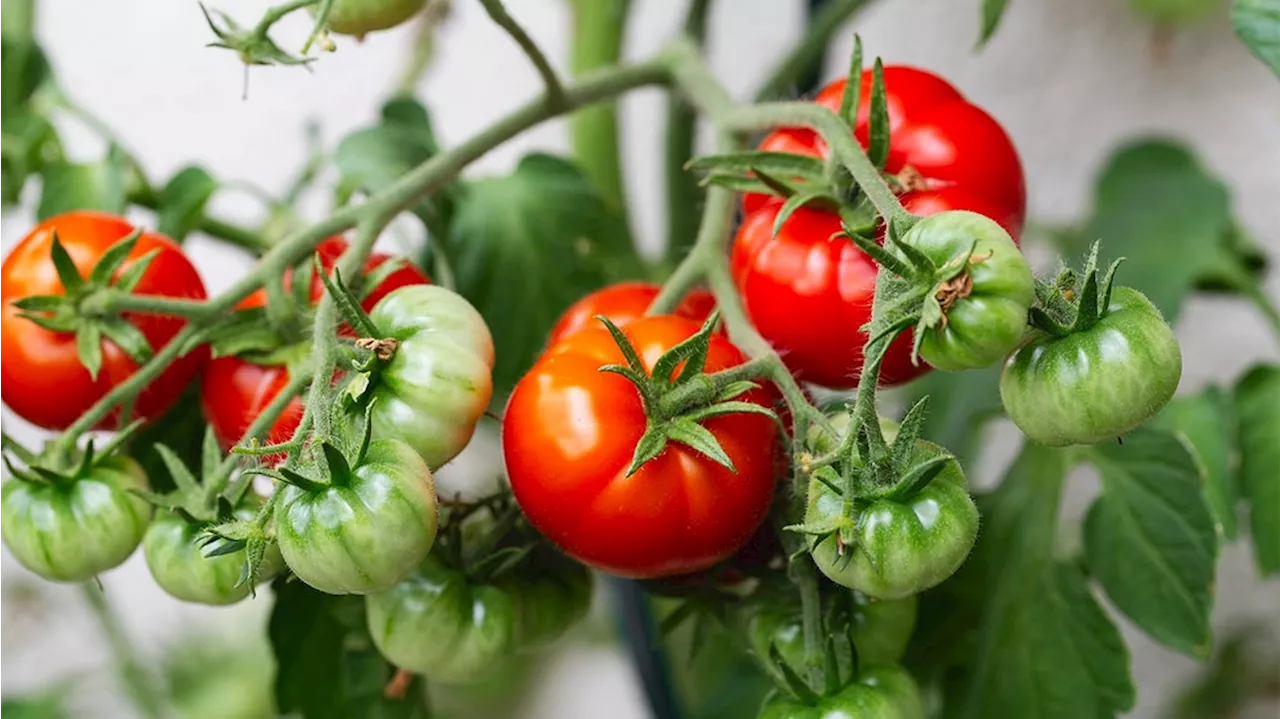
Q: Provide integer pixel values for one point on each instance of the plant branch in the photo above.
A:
(137, 681)
(806, 57)
(499, 14)
(683, 192)
(226, 231)
(114, 300)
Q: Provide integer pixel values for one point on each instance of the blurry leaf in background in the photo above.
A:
(1150, 538)
(1257, 23)
(48, 705)
(1244, 673)
(182, 201)
(713, 675)
(1257, 402)
(526, 245)
(220, 677)
(1157, 207)
(29, 140)
(960, 403)
(1207, 421)
(181, 429)
(992, 12)
(85, 186)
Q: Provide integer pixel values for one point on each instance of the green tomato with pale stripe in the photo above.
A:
(881, 691)
(1096, 384)
(364, 532)
(179, 565)
(897, 546)
(360, 17)
(76, 528)
(438, 383)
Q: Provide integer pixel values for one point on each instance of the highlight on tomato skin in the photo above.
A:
(570, 432)
(624, 303)
(40, 364)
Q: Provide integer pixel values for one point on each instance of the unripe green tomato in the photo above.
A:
(1097, 384)
(179, 566)
(883, 691)
(1175, 12)
(365, 535)
(900, 547)
(988, 315)
(360, 17)
(439, 382)
(438, 624)
(881, 631)
(74, 531)
(547, 605)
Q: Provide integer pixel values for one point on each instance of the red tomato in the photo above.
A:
(235, 390)
(809, 295)
(43, 380)
(965, 158)
(568, 436)
(623, 303)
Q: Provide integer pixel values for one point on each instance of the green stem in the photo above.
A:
(1265, 305)
(226, 231)
(805, 575)
(598, 31)
(276, 13)
(683, 191)
(137, 681)
(500, 16)
(113, 300)
(410, 188)
(19, 19)
(806, 57)
(298, 381)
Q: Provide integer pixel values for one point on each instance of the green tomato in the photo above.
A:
(72, 531)
(438, 624)
(883, 691)
(360, 17)
(439, 382)
(365, 533)
(901, 546)
(179, 566)
(550, 602)
(1096, 384)
(985, 307)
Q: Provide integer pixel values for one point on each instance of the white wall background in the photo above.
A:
(1068, 80)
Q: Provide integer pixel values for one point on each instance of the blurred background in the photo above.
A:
(1070, 81)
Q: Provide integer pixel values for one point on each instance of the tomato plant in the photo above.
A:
(45, 361)
(767, 419)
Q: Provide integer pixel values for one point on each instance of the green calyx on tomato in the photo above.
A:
(356, 522)
(583, 449)
(1101, 362)
(891, 526)
(71, 525)
(429, 376)
(60, 339)
(980, 289)
(206, 548)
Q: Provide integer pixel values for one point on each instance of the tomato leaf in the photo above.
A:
(960, 404)
(992, 13)
(181, 429)
(327, 667)
(1257, 23)
(1036, 606)
(1150, 539)
(1257, 403)
(89, 347)
(182, 201)
(70, 186)
(1207, 422)
(1157, 206)
(537, 239)
(878, 132)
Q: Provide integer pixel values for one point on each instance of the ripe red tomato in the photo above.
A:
(809, 295)
(569, 434)
(235, 390)
(623, 303)
(965, 159)
(43, 380)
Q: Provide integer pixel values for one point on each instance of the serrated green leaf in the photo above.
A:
(992, 12)
(1257, 403)
(1257, 23)
(537, 239)
(1207, 421)
(1156, 206)
(182, 201)
(1150, 538)
(1035, 606)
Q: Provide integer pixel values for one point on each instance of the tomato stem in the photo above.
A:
(500, 16)
(683, 192)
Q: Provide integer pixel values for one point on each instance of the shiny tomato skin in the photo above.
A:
(235, 391)
(42, 378)
(569, 434)
(951, 143)
(809, 295)
(624, 303)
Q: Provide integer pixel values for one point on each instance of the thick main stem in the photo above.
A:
(683, 192)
